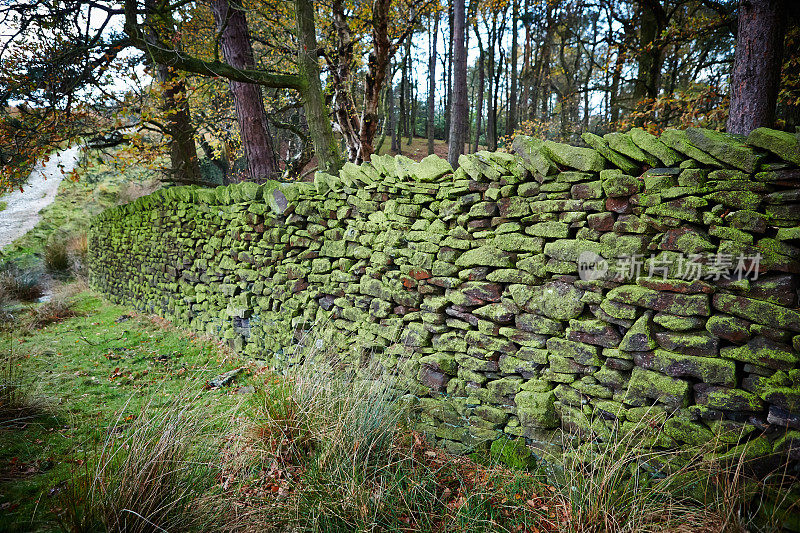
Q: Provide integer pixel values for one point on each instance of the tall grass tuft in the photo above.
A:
(153, 474)
(64, 253)
(623, 484)
(338, 431)
(59, 306)
(20, 280)
(18, 402)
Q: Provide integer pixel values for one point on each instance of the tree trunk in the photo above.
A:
(412, 116)
(479, 106)
(395, 123)
(184, 167)
(757, 65)
(651, 47)
(387, 117)
(615, 81)
(319, 125)
(432, 83)
(377, 65)
(402, 118)
(344, 108)
(491, 126)
(525, 76)
(458, 117)
(449, 77)
(238, 52)
(511, 120)
(546, 87)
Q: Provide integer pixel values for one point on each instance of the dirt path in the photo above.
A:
(22, 211)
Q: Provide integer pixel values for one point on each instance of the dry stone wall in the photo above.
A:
(594, 288)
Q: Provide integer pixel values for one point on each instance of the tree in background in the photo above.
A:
(267, 80)
(184, 167)
(459, 114)
(237, 50)
(755, 79)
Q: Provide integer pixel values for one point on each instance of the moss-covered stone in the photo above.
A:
(707, 369)
(639, 337)
(651, 144)
(627, 165)
(512, 453)
(645, 384)
(673, 303)
(783, 144)
(584, 159)
(622, 143)
(726, 148)
(484, 256)
(757, 311)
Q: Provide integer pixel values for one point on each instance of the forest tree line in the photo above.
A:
(262, 89)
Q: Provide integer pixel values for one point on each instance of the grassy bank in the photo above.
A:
(108, 422)
(84, 376)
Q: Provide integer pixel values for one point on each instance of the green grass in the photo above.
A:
(118, 418)
(92, 371)
(3, 206)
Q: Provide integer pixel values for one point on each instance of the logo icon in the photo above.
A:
(591, 266)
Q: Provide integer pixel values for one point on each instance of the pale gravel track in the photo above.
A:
(22, 212)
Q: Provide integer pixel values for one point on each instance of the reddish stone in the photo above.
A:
(600, 221)
(480, 292)
(608, 339)
(475, 274)
(477, 186)
(460, 312)
(419, 274)
(433, 379)
(779, 289)
(299, 286)
(732, 329)
(480, 223)
(684, 287)
(618, 205)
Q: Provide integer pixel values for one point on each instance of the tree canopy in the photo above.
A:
(261, 89)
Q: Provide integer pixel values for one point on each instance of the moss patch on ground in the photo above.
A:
(93, 373)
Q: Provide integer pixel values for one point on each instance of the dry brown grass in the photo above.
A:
(154, 474)
(60, 306)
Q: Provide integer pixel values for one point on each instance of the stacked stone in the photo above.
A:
(472, 285)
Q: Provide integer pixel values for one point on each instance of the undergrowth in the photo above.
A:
(156, 472)
(136, 442)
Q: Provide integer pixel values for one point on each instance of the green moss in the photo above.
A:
(618, 160)
(726, 148)
(783, 144)
(512, 453)
(645, 384)
(622, 143)
(584, 159)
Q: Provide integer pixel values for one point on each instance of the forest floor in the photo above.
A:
(418, 149)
